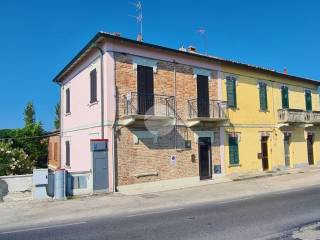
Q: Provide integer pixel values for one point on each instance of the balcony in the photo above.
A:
(204, 110)
(140, 107)
(313, 117)
(292, 116)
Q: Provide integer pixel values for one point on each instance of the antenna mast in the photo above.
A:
(203, 34)
(138, 17)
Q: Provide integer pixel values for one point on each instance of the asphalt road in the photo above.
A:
(261, 217)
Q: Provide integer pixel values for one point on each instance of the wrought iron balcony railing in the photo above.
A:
(209, 109)
(292, 116)
(149, 104)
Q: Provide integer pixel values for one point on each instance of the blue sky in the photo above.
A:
(39, 37)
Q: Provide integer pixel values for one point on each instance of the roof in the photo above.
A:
(100, 36)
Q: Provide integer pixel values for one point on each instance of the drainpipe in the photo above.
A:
(102, 88)
(175, 103)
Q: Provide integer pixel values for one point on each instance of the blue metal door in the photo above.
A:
(99, 150)
(100, 168)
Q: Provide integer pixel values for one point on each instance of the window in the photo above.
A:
(68, 100)
(308, 100)
(285, 97)
(233, 150)
(55, 152)
(50, 151)
(93, 86)
(231, 92)
(68, 153)
(263, 96)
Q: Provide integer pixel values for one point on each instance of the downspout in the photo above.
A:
(102, 87)
(175, 103)
(114, 125)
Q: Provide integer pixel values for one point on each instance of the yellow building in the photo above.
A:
(273, 120)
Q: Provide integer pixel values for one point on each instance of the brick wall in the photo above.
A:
(148, 160)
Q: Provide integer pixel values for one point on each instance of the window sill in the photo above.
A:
(67, 114)
(93, 103)
(235, 165)
(264, 111)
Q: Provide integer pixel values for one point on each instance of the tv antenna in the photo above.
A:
(203, 33)
(138, 16)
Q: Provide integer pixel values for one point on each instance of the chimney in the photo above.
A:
(139, 38)
(285, 71)
(192, 49)
(182, 48)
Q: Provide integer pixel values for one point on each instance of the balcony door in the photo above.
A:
(145, 95)
(202, 96)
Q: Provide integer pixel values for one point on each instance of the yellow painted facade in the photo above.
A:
(249, 123)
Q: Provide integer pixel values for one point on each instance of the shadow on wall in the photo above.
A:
(3, 189)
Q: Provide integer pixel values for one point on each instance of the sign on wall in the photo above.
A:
(173, 160)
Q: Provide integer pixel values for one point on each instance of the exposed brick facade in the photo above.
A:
(148, 160)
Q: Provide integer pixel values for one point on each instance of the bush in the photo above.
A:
(14, 161)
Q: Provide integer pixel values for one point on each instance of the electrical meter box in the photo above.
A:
(40, 177)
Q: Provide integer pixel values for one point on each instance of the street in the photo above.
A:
(268, 216)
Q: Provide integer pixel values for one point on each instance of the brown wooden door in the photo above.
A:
(264, 151)
(205, 158)
(203, 96)
(310, 149)
(145, 93)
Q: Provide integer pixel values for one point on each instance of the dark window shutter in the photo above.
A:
(233, 150)
(68, 101)
(263, 96)
(285, 97)
(308, 99)
(93, 86)
(231, 92)
(67, 153)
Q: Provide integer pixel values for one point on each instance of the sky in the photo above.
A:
(38, 38)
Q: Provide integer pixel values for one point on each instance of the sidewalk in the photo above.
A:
(26, 213)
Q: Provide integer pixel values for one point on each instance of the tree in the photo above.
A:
(57, 116)
(29, 114)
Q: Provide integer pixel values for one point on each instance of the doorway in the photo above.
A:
(286, 142)
(99, 150)
(264, 152)
(145, 90)
(205, 169)
(203, 96)
(310, 149)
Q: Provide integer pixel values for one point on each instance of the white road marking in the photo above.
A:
(155, 212)
(41, 228)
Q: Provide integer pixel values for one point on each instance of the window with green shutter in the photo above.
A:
(263, 96)
(285, 97)
(233, 150)
(308, 100)
(231, 92)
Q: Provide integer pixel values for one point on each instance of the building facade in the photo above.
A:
(133, 112)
